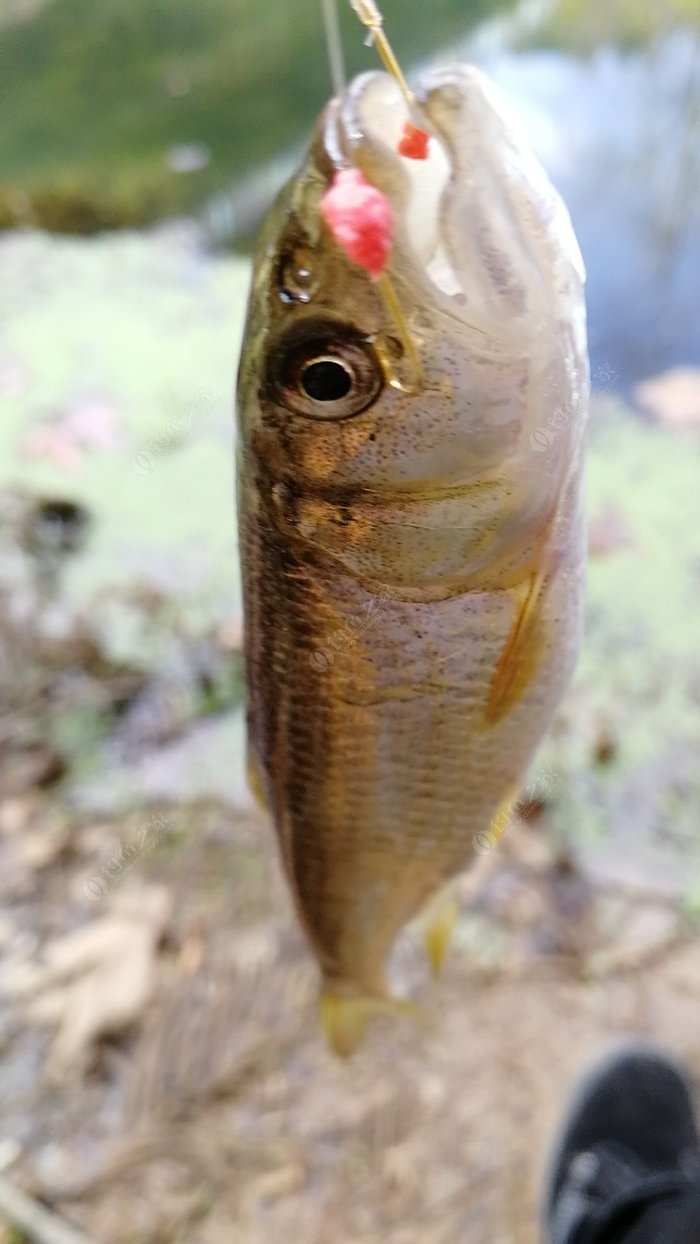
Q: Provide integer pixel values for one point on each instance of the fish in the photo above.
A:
(411, 521)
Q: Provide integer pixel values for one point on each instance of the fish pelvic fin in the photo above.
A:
(345, 1018)
(255, 783)
(438, 928)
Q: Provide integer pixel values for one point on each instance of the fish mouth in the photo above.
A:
(478, 225)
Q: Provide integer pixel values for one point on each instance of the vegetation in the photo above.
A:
(578, 26)
(99, 91)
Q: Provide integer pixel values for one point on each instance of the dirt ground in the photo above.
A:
(163, 1078)
(219, 1115)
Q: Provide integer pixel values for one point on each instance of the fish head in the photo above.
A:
(341, 396)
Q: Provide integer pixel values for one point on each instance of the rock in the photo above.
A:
(10, 1152)
(644, 931)
(277, 1184)
(16, 814)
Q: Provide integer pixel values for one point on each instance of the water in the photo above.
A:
(619, 134)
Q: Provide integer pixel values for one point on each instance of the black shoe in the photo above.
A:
(629, 1139)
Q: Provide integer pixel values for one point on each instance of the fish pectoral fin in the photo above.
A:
(345, 1018)
(438, 926)
(523, 650)
(524, 646)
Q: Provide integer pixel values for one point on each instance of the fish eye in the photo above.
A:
(324, 371)
(326, 379)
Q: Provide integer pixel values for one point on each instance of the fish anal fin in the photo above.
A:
(439, 925)
(502, 820)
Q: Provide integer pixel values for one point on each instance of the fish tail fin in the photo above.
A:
(345, 1018)
(440, 920)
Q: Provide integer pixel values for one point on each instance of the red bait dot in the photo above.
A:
(414, 143)
(360, 218)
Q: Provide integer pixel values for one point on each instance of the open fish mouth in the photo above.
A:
(478, 221)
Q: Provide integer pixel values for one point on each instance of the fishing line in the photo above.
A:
(334, 45)
(359, 215)
(371, 17)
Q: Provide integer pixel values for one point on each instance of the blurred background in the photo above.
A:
(162, 1076)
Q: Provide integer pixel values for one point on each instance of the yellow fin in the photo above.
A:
(345, 1018)
(489, 838)
(255, 783)
(438, 929)
(521, 655)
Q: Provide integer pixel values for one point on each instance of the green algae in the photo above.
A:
(146, 324)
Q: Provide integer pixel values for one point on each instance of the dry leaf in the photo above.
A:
(608, 532)
(673, 398)
(96, 981)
